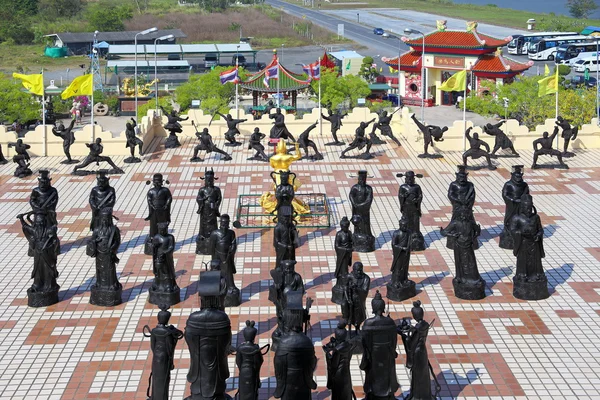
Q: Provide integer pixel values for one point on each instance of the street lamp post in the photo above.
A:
(358, 18)
(147, 31)
(409, 31)
(399, 72)
(166, 37)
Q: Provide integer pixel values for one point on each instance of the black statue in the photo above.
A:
(21, 159)
(102, 195)
(159, 200)
(68, 137)
(467, 282)
(338, 355)
(232, 129)
(215, 265)
(401, 288)
(461, 194)
(475, 150)
(336, 123)
(96, 149)
(414, 338)
(249, 358)
(545, 143)
(360, 141)
(208, 336)
(174, 127)
(379, 340)
(284, 191)
(305, 143)
(384, 125)
(354, 308)
(164, 289)
(223, 245)
(3, 160)
(568, 133)
(285, 280)
(50, 114)
(103, 246)
(511, 193)
(501, 140)
(256, 145)
(132, 142)
(430, 133)
(44, 247)
(285, 236)
(206, 144)
(361, 198)
(530, 282)
(209, 201)
(410, 196)
(295, 360)
(44, 198)
(343, 252)
(279, 130)
(163, 340)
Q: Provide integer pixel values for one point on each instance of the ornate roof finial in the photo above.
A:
(441, 25)
(472, 26)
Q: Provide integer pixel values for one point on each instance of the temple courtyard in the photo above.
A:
(496, 348)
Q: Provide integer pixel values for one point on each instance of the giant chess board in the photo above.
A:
(496, 348)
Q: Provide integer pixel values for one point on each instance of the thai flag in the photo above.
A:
(312, 70)
(231, 75)
(272, 73)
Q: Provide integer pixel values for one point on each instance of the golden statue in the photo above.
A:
(281, 161)
(143, 89)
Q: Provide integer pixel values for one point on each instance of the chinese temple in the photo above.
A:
(448, 52)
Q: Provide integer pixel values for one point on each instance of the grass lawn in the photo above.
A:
(31, 59)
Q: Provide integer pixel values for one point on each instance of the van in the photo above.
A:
(590, 64)
(210, 60)
(240, 59)
(174, 57)
(580, 56)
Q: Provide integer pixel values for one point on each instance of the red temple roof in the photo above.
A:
(408, 60)
(457, 39)
(496, 63)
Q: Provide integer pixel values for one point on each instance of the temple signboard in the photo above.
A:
(451, 62)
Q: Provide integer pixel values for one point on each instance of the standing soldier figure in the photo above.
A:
(336, 123)
(44, 198)
(249, 358)
(209, 200)
(102, 195)
(132, 142)
(223, 245)
(159, 208)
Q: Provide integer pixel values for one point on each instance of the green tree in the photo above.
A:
(581, 8)
(108, 17)
(367, 71)
(164, 102)
(15, 103)
(60, 8)
(14, 24)
(339, 91)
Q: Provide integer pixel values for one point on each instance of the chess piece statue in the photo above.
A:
(461, 194)
(279, 130)
(44, 198)
(354, 308)
(512, 192)
(96, 149)
(3, 160)
(21, 159)
(285, 236)
(501, 140)
(174, 127)
(335, 119)
(223, 245)
(305, 143)
(163, 340)
(338, 355)
(360, 141)
(285, 280)
(206, 144)
(343, 252)
(256, 145)
(568, 133)
(430, 133)
(467, 282)
(249, 358)
(545, 148)
(215, 265)
(379, 340)
(295, 360)
(68, 137)
(475, 150)
(414, 338)
(132, 142)
(401, 288)
(164, 289)
(383, 124)
(361, 198)
(102, 195)
(530, 282)
(232, 126)
(44, 247)
(208, 336)
(159, 200)
(209, 201)
(410, 196)
(103, 246)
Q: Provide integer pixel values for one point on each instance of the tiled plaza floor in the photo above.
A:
(496, 348)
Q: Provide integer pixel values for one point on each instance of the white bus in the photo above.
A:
(567, 52)
(590, 64)
(546, 49)
(520, 44)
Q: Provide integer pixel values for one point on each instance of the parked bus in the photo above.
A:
(590, 64)
(546, 49)
(567, 52)
(583, 54)
(520, 44)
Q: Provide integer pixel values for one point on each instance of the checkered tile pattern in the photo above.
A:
(496, 348)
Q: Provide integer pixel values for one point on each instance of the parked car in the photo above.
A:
(210, 60)
(378, 31)
(174, 57)
(240, 59)
(579, 80)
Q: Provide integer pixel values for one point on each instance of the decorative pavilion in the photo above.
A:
(448, 52)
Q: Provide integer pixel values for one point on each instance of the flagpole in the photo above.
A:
(464, 116)
(44, 113)
(556, 100)
(237, 110)
(320, 110)
(93, 108)
(278, 99)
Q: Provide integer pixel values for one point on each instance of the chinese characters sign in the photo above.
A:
(452, 62)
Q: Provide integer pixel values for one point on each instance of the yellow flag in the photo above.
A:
(392, 70)
(548, 85)
(81, 86)
(33, 83)
(456, 83)
(381, 69)
(546, 70)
